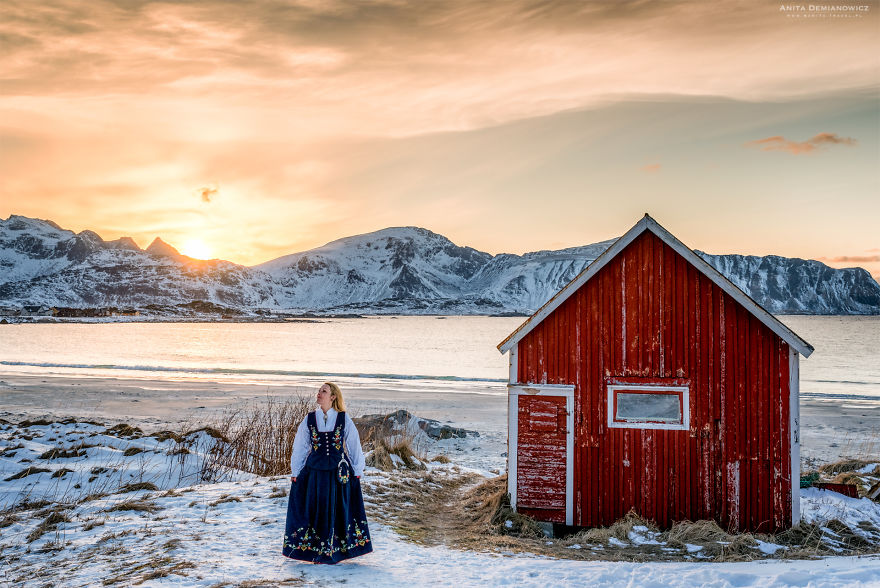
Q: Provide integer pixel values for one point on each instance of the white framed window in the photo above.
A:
(648, 406)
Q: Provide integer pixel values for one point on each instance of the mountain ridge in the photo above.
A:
(396, 270)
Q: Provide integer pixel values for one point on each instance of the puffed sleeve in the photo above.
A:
(301, 448)
(353, 446)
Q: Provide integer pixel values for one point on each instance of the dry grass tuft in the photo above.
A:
(28, 471)
(49, 524)
(488, 505)
(136, 505)
(852, 479)
(132, 451)
(93, 523)
(697, 533)
(166, 435)
(393, 451)
(61, 453)
(124, 430)
(441, 459)
(223, 499)
(135, 486)
(844, 465)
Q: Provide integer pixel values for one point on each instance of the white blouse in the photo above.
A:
(302, 446)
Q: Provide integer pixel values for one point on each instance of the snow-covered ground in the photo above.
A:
(200, 526)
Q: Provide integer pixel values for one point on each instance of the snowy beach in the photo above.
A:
(832, 427)
(187, 532)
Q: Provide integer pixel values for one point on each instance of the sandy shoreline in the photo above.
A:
(831, 428)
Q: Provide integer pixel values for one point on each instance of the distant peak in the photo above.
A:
(125, 243)
(16, 222)
(160, 247)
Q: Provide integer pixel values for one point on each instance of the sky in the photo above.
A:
(247, 131)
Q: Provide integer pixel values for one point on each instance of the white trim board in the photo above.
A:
(649, 224)
(794, 424)
(512, 410)
(514, 392)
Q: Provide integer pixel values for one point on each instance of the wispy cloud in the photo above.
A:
(852, 258)
(405, 67)
(779, 143)
(651, 168)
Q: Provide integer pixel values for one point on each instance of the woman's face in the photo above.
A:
(325, 397)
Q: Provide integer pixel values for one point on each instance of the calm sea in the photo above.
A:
(413, 350)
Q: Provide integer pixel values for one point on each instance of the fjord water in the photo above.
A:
(436, 351)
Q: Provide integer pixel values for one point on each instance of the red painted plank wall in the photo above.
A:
(650, 314)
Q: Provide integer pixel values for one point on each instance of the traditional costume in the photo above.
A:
(326, 522)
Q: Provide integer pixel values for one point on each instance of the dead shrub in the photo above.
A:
(257, 438)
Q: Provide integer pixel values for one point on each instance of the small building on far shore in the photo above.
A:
(38, 310)
(651, 383)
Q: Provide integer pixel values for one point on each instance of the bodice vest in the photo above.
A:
(327, 447)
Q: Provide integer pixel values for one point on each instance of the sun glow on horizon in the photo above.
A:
(197, 249)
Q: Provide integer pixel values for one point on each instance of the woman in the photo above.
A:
(326, 522)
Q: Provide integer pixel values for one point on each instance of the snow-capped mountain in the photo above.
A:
(405, 270)
(43, 264)
(785, 285)
(394, 265)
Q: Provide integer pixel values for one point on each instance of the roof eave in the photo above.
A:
(648, 223)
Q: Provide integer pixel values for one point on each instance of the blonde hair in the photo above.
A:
(338, 401)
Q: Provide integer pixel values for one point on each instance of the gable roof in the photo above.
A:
(649, 224)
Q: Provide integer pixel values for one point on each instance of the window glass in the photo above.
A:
(663, 408)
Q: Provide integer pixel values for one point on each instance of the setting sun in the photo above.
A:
(197, 249)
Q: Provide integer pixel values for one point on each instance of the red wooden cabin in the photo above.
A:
(652, 383)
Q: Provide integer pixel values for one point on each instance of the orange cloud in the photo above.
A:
(651, 168)
(207, 193)
(780, 143)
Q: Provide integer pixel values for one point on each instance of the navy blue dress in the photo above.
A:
(326, 522)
